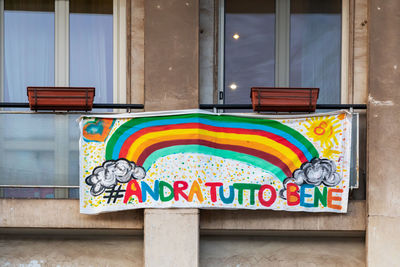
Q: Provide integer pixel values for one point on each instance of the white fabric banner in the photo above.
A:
(197, 159)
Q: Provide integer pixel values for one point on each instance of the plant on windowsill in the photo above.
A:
(283, 99)
(61, 98)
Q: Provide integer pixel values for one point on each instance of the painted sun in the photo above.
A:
(323, 130)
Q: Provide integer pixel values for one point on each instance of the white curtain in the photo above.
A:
(249, 60)
(91, 53)
(28, 52)
(315, 52)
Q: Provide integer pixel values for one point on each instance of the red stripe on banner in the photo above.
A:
(127, 144)
(250, 151)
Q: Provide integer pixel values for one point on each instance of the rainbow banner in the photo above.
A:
(197, 159)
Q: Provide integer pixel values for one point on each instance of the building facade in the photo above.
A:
(170, 55)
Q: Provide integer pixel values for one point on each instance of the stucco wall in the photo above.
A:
(383, 231)
(35, 251)
(281, 251)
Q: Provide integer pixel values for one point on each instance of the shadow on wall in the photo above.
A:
(281, 251)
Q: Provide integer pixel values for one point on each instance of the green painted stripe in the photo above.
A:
(251, 160)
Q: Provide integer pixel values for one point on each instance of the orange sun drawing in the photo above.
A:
(323, 130)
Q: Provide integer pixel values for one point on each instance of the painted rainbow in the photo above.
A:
(267, 144)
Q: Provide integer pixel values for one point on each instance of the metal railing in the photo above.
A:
(128, 107)
(249, 106)
(201, 106)
(95, 106)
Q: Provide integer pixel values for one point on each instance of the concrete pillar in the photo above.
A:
(171, 54)
(383, 231)
(171, 67)
(171, 237)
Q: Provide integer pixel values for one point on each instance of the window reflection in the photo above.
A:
(315, 47)
(91, 47)
(249, 48)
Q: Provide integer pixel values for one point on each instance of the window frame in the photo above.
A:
(59, 145)
(282, 46)
(61, 57)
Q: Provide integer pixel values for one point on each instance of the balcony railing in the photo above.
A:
(39, 151)
(249, 106)
(201, 106)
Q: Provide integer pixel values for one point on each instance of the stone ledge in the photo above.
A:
(268, 220)
(63, 213)
(172, 211)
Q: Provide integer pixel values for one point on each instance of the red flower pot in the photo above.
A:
(61, 98)
(284, 99)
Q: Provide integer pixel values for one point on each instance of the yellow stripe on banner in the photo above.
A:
(288, 156)
(249, 144)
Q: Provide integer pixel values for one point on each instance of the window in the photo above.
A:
(281, 43)
(28, 47)
(91, 47)
(59, 43)
(55, 43)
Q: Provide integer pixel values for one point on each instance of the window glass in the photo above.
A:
(27, 149)
(39, 149)
(26, 156)
(314, 44)
(28, 47)
(42, 149)
(249, 48)
(28, 193)
(30, 167)
(315, 47)
(91, 47)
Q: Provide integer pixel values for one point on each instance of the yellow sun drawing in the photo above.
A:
(323, 130)
(328, 152)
